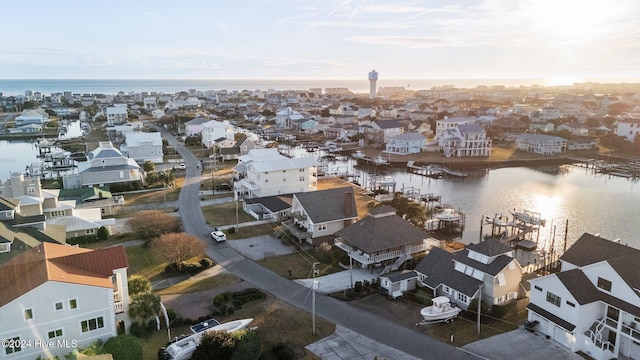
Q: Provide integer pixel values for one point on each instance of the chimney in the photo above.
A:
(347, 203)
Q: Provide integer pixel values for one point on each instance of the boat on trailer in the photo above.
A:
(184, 347)
(442, 310)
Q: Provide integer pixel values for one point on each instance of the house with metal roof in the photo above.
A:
(593, 304)
(265, 172)
(58, 294)
(487, 268)
(105, 165)
(382, 240)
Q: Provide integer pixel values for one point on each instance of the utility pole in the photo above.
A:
(313, 300)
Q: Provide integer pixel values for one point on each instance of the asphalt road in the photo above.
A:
(341, 313)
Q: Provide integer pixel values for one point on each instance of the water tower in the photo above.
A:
(373, 77)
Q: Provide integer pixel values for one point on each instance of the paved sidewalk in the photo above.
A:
(346, 344)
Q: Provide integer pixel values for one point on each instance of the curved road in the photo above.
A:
(357, 320)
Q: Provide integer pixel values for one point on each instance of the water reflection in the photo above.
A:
(594, 203)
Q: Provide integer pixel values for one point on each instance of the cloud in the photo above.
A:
(406, 41)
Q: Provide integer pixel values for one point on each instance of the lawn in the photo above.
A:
(197, 285)
(251, 231)
(225, 214)
(300, 263)
(154, 196)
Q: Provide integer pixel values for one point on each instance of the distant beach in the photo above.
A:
(100, 86)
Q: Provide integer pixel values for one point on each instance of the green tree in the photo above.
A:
(148, 166)
(103, 233)
(138, 285)
(124, 347)
(414, 212)
(144, 307)
(218, 345)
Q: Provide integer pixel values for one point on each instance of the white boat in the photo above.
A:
(448, 214)
(183, 348)
(379, 160)
(441, 311)
(528, 217)
(498, 220)
(358, 154)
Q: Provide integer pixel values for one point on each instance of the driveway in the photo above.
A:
(260, 247)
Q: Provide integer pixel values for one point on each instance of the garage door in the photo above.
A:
(563, 337)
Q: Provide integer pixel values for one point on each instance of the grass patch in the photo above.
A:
(197, 285)
(112, 240)
(465, 329)
(143, 263)
(225, 214)
(300, 265)
(158, 339)
(250, 231)
(154, 196)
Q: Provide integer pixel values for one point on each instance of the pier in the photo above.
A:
(433, 171)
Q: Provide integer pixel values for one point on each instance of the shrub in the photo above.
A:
(284, 352)
(124, 347)
(206, 263)
(171, 314)
(103, 233)
(424, 297)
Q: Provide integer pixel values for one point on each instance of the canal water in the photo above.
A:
(561, 195)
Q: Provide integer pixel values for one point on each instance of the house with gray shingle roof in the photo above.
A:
(593, 304)
(322, 213)
(488, 266)
(382, 239)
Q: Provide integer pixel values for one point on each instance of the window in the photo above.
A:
(58, 306)
(12, 345)
(31, 190)
(92, 324)
(54, 334)
(537, 288)
(301, 170)
(553, 298)
(73, 304)
(571, 304)
(121, 174)
(322, 227)
(604, 284)
(28, 314)
(462, 297)
(447, 289)
(301, 178)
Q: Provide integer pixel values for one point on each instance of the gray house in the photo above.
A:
(488, 267)
(105, 165)
(142, 146)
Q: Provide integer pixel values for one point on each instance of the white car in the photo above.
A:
(218, 236)
(182, 166)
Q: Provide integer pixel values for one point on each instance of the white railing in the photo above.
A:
(119, 307)
(117, 296)
(366, 259)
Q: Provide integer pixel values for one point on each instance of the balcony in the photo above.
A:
(118, 307)
(366, 259)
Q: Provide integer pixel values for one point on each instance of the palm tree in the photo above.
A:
(144, 307)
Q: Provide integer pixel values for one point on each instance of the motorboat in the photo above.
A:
(528, 217)
(358, 154)
(497, 220)
(448, 214)
(183, 347)
(379, 160)
(442, 310)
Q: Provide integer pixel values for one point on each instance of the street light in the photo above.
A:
(479, 303)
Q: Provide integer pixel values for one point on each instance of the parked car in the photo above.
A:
(182, 166)
(223, 187)
(218, 236)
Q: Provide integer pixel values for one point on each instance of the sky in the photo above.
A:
(562, 41)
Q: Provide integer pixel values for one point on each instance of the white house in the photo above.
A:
(150, 102)
(629, 128)
(194, 126)
(465, 140)
(116, 114)
(57, 298)
(541, 144)
(286, 116)
(593, 304)
(264, 172)
(451, 123)
(214, 130)
(321, 213)
(143, 146)
(408, 143)
(488, 267)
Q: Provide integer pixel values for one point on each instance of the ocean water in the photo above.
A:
(100, 86)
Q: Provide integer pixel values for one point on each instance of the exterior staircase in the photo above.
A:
(396, 264)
